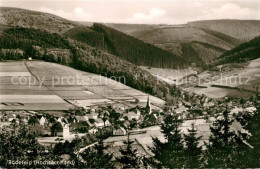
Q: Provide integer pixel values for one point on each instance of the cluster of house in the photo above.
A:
(118, 118)
(52, 125)
(6, 117)
(86, 121)
(188, 109)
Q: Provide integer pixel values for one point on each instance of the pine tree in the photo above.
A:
(17, 142)
(255, 139)
(252, 159)
(193, 152)
(226, 148)
(129, 157)
(170, 153)
(96, 157)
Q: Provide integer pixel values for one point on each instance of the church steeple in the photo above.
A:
(148, 106)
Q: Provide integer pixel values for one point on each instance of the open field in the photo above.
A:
(61, 87)
(170, 76)
(245, 79)
(58, 87)
(16, 92)
(48, 86)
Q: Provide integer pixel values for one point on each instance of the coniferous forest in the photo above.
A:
(37, 43)
(126, 47)
(242, 53)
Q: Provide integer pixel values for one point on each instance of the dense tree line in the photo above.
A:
(191, 55)
(227, 38)
(126, 47)
(18, 142)
(97, 157)
(36, 44)
(86, 35)
(226, 148)
(24, 38)
(244, 52)
(129, 156)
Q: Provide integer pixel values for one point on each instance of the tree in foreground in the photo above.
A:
(170, 153)
(96, 157)
(252, 124)
(255, 139)
(193, 152)
(226, 147)
(18, 142)
(129, 158)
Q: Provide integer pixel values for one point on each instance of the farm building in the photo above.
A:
(57, 129)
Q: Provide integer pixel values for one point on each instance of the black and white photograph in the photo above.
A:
(111, 84)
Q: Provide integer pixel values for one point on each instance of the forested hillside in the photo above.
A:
(32, 19)
(199, 42)
(97, 36)
(192, 44)
(86, 35)
(244, 52)
(126, 47)
(41, 44)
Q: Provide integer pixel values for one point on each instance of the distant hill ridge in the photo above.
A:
(243, 30)
(98, 36)
(20, 40)
(178, 46)
(200, 41)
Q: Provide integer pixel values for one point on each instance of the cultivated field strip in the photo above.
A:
(19, 90)
(84, 89)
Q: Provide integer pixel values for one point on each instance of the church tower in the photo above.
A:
(148, 106)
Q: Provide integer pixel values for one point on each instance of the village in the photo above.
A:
(53, 127)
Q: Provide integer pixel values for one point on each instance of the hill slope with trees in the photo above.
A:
(32, 19)
(242, 53)
(198, 42)
(52, 47)
(126, 47)
(98, 36)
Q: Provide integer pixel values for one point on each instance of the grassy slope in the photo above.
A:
(191, 43)
(243, 30)
(181, 41)
(229, 39)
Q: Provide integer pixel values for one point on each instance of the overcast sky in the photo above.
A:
(143, 11)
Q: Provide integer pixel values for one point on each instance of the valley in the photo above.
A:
(106, 95)
(240, 80)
